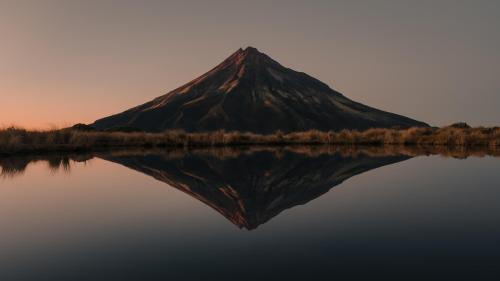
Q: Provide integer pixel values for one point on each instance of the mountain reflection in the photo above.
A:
(250, 188)
(251, 185)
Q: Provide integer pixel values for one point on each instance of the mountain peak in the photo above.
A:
(251, 49)
(248, 56)
(247, 50)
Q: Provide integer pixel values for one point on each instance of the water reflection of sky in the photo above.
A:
(426, 215)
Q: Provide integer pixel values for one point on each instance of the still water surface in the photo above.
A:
(255, 214)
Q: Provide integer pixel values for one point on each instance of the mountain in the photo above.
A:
(250, 188)
(251, 92)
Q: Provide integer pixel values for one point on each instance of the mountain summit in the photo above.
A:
(249, 91)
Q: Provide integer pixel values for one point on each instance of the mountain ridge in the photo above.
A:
(249, 91)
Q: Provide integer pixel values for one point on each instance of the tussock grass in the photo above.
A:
(15, 165)
(15, 140)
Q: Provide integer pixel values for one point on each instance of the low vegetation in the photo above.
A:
(15, 140)
(14, 165)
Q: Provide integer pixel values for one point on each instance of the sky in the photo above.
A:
(66, 62)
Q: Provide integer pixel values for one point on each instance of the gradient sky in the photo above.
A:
(63, 62)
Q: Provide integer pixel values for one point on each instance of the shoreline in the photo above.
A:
(20, 141)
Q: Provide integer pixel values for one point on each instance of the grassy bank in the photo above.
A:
(14, 165)
(15, 140)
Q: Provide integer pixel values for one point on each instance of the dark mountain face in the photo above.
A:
(251, 92)
(250, 188)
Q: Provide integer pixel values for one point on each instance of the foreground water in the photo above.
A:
(255, 214)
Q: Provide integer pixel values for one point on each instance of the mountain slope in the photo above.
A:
(249, 91)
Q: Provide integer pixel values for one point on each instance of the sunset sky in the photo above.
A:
(64, 62)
